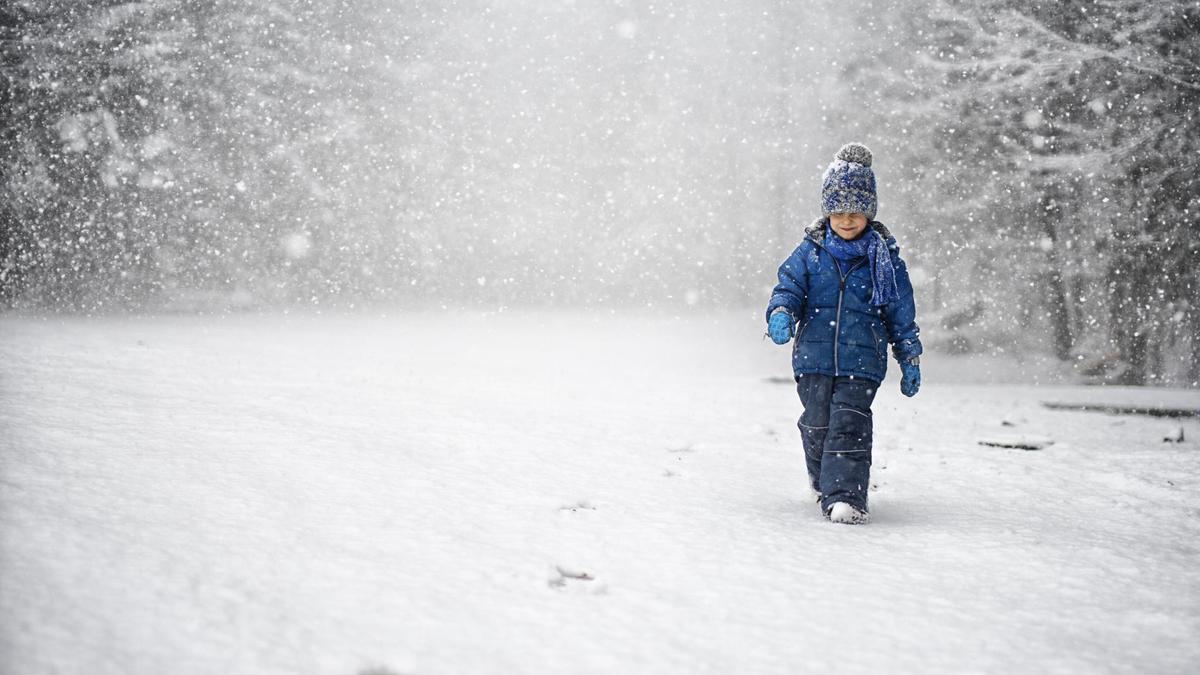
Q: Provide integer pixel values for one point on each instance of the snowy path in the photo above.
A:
(418, 494)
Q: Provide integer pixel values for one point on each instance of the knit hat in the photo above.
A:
(848, 185)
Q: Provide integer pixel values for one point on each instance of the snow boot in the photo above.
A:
(841, 512)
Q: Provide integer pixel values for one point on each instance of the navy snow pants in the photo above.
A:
(836, 430)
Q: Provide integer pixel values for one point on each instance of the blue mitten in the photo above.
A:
(911, 381)
(779, 327)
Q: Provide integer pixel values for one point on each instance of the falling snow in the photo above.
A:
(209, 167)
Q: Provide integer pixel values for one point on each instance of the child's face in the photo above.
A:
(848, 225)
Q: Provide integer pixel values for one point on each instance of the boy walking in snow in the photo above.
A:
(844, 296)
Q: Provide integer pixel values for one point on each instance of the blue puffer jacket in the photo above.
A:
(840, 332)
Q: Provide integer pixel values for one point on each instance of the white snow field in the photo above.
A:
(459, 492)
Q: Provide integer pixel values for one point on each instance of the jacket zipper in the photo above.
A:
(837, 319)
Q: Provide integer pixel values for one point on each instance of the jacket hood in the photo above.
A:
(816, 231)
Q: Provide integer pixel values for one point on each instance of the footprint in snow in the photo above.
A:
(573, 577)
(379, 670)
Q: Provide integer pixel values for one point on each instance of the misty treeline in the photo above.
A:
(210, 151)
(1038, 160)
(192, 150)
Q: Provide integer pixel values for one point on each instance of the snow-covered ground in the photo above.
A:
(544, 493)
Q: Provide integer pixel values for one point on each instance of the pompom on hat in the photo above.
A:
(848, 185)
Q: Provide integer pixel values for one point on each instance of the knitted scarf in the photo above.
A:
(871, 245)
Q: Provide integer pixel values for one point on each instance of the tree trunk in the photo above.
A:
(1137, 352)
(1193, 322)
(1056, 295)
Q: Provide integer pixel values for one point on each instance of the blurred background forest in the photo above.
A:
(1038, 161)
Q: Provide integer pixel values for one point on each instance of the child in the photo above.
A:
(844, 294)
